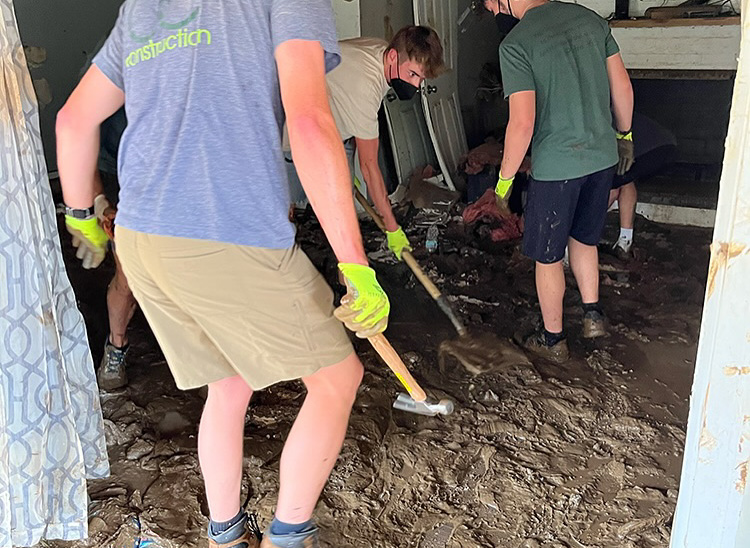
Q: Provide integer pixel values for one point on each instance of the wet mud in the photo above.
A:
(581, 455)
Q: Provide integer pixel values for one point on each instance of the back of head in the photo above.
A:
(422, 45)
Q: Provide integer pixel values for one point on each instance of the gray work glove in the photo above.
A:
(626, 152)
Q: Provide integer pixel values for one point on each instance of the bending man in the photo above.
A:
(369, 66)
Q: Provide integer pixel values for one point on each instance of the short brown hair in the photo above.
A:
(421, 45)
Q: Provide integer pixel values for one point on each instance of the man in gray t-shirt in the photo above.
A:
(202, 228)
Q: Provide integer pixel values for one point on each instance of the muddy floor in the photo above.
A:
(586, 454)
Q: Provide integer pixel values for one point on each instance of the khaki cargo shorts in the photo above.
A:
(220, 310)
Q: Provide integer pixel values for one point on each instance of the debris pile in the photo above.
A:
(503, 225)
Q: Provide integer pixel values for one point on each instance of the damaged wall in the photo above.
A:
(59, 38)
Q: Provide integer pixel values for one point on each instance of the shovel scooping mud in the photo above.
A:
(476, 353)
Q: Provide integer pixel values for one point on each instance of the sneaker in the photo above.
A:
(623, 250)
(243, 534)
(305, 539)
(594, 325)
(112, 369)
(537, 344)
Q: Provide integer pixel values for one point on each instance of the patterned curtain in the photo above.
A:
(51, 429)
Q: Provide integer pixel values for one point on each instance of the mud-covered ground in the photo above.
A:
(586, 454)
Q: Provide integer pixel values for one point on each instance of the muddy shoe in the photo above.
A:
(240, 535)
(112, 369)
(305, 539)
(623, 251)
(537, 344)
(594, 325)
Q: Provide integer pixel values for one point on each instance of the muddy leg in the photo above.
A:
(316, 437)
(220, 440)
(120, 307)
(550, 287)
(584, 261)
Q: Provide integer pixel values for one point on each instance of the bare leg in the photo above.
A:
(584, 261)
(613, 195)
(316, 437)
(120, 307)
(550, 287)
(220, 438)
(627, 201)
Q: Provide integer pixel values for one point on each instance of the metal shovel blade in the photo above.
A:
(404, 402)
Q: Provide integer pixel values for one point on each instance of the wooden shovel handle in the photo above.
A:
(393, 360)
(421, 276)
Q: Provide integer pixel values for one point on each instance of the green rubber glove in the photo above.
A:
(626, 152)
(365, 307)
(89, 239)
(502, 192)
(398, 242)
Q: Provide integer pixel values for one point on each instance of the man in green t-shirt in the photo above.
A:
(562, 72)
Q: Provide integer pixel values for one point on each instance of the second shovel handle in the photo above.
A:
(419, 273)
(393, 360)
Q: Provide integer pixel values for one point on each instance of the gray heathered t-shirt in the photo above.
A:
(201, 156)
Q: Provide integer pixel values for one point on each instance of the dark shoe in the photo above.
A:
(594, 325)
(623, 252)
(112, 369)
(537, 344)
(243, 534)
(305, 539)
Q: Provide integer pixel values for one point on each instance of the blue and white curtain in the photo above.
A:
(51, 429)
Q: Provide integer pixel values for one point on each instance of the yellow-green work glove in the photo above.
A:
(502, 192)
(89, 239)
(626, 152)
(365, 307)
(398, 242)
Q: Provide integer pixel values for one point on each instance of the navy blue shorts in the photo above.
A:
(557, 210)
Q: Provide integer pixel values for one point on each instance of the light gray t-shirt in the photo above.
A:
(201, 156)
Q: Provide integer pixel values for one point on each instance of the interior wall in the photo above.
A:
(63, 36)
(348, 20)
(478, 43)
(383, 18)
(696, 111)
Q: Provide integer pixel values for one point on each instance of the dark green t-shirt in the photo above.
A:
(560, 51)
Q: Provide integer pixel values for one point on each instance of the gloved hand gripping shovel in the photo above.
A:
(409, 259)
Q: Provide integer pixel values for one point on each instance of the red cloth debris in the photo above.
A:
(485, 209)
(486, 153)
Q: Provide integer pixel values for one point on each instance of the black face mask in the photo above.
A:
(403, 89)
(505, 23)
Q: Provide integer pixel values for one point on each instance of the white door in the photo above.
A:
(440, 96)
(410, 140)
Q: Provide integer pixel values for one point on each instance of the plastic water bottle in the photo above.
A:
(432, 239)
